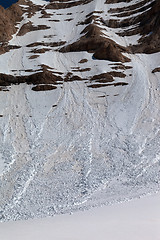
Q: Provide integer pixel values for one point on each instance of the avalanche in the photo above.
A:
(92, 140)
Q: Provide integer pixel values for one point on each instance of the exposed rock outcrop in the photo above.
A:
(8, 20)
(139, 18)
(144, 16)
(44, 77)
(28, 27)
(44, 87)
(93, 41)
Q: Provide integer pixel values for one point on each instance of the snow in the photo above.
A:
(39, 2)
(76, 147)
(69, 31)
(135, 220)
(105, 145)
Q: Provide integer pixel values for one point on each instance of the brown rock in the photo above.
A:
(44, 77)
(70, 77)
(66, 4)
(8, 20)
(117, 74)
(156, 70)
(83, 60)
(103, 77)
(145, 20)
(43, 88)
(93, 41)
(110, 52)
(28, 27)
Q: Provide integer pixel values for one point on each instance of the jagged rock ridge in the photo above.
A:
(26, 17)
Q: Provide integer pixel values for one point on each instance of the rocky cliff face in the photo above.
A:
(79, 104)
(107, 33)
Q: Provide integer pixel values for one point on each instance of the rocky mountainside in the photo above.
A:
(79, 104)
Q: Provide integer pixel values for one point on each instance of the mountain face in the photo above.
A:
(79, 104)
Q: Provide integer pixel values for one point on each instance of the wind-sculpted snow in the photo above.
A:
(79, 112)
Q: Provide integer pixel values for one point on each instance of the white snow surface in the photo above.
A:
(134, 220)
(76, 147)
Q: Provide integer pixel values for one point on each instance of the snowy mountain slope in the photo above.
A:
(93, 139)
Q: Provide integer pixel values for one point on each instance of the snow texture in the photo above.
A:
(76, 147)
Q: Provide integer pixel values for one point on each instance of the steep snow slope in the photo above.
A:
(94, 138)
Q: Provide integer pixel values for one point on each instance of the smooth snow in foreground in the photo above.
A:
(135, 220)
